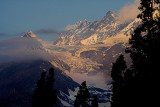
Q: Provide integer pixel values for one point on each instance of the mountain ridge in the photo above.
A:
(96, 32)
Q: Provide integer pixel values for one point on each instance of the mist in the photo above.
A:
(97, 80)
(22, 49)
(47, 31)
(129, 12)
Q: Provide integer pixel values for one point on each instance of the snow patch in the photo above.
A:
(72, 94)
(65, 103)
(91, 40)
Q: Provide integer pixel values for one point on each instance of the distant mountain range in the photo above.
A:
(109, 31)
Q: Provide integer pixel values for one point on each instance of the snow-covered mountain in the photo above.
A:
(90, 48)
(105, 31)
(22, 60)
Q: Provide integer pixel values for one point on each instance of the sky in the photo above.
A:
(20, 16)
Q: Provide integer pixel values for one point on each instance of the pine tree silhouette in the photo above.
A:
(39, 93)
(145, 43)
(51, 96)
(139, 86)
(117, 75)
(83, 96)
(44, 94)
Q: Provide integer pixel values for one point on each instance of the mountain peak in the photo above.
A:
(85, 20)
(110, 15)
(109, 12)
(29, 34)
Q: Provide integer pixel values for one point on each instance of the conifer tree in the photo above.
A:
(83, 96)
(51, 96)
(117, 85)
(39, 94)
(144, 46)
(44, 94)
(139, 85)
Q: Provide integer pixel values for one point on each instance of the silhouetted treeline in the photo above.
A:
(44, 94)
(83, 98)
(138, 86)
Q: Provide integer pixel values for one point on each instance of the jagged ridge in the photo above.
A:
(97, 32)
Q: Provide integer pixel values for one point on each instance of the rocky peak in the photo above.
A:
(29, 34)
(85, 21)
(82, 23)
(109, 16)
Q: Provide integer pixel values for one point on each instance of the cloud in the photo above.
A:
(22, 50)
(129, 12)
(3, 34)
(97, 80)
(47, 31)
(69, 27)
(11, 35)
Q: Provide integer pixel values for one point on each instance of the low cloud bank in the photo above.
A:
(47, 31)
